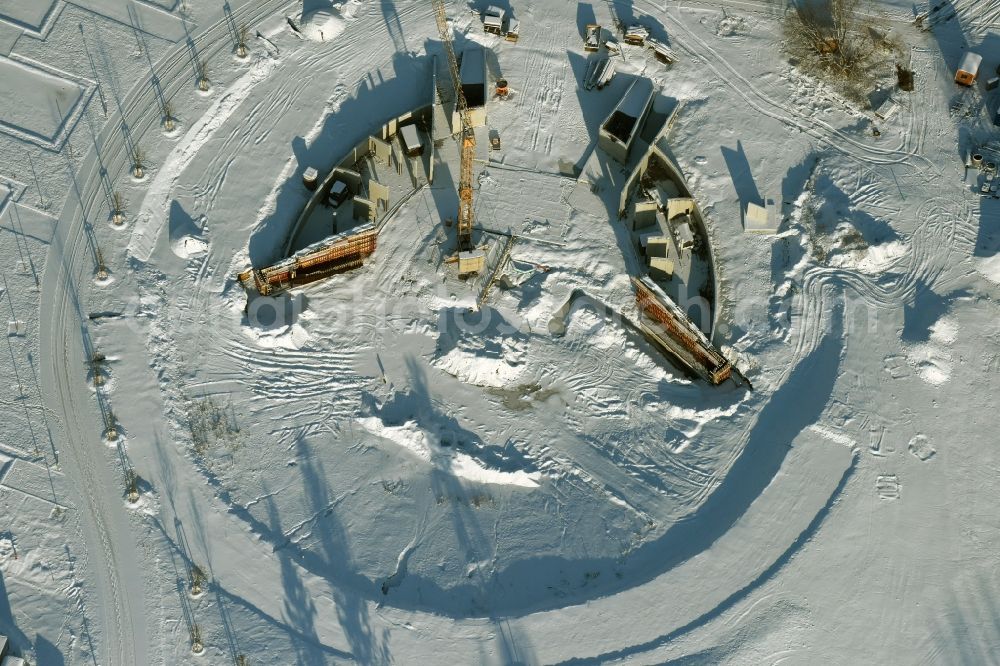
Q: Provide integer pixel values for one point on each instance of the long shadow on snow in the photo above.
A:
(584, 17)
(988, 240)
(352, 608)
(953, 45)
(393, 25)
(478, 546)
(810, 385)
(8, 627)
(528, 585)
(742, 175)
(300, 609)
(927, 307)
(47, 653)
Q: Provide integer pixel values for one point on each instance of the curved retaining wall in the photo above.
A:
(658, 148)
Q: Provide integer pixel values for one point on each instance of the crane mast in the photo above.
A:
(467, 140)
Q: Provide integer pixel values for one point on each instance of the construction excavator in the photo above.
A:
(467, 139)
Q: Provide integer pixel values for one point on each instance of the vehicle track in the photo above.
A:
(757, 100)
(120, 641)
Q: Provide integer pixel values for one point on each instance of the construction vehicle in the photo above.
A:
(467, 138)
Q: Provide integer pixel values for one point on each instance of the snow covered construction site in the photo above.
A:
(499, 332)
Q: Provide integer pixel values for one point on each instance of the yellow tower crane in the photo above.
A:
(467, 140)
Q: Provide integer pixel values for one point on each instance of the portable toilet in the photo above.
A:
(969, 68)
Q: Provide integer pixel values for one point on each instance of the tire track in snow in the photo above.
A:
(758, 101)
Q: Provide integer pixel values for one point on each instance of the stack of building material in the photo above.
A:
(662, 52)
(592, 40)
(637, 35)
(757, 220)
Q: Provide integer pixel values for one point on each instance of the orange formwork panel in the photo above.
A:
(676, 333)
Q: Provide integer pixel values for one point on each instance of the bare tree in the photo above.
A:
(201, 66)
(132, 486)
(241, 40)
(168, 116)
(118, 206)
(197, 579)
(840, 40)
(138, 161)
(196, 645)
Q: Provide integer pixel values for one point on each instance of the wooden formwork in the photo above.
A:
(336, 254)
(673, 330)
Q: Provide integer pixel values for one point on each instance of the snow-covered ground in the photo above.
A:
(369, 470)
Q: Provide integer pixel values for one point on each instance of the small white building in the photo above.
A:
(758, 220)
(310, 178)
(969, 69)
